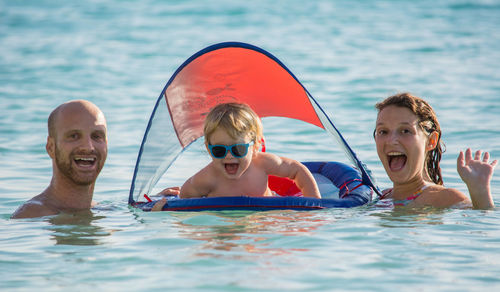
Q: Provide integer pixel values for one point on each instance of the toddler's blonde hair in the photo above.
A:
(237, 119)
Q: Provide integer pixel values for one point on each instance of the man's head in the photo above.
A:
(77, 141)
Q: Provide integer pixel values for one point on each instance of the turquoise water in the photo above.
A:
(348, 54)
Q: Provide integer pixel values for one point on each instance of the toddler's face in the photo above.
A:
(232, 167)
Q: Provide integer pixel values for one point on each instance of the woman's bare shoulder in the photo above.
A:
(443, 197)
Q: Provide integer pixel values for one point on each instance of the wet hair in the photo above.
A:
(237, 119)
(427, 121)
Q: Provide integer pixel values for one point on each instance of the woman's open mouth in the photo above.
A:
(397, 160)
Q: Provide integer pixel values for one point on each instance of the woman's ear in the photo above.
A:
(432, 142)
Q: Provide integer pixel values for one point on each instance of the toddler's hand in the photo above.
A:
(170, 191)
(159, 205)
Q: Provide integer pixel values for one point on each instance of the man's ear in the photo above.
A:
(432, 142)
(51, 147)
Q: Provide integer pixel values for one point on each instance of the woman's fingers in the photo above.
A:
(468, 155)
(461, 159)
(478, 155)
(486, 157)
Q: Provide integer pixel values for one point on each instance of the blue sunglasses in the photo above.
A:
(237, 150)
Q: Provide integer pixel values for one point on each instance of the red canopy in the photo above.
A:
(234, 74)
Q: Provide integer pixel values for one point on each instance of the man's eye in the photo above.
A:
(98, 136)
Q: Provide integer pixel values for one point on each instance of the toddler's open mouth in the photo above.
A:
(231, 168)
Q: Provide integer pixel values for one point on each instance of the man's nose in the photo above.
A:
(87, 143)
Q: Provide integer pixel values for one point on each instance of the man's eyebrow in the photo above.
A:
(100, 132)
(71, 131)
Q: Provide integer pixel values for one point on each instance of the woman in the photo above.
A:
(408, 139)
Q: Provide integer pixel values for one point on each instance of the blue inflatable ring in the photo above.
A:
(352, 193)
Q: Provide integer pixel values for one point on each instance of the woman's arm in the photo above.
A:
(476, 174)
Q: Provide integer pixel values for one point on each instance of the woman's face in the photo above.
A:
(401, 144)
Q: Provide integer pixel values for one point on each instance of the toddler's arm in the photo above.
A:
(199, 185)
(189, 189)
(298, 172)
(476, 174)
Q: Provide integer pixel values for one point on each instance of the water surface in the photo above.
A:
(348, 54)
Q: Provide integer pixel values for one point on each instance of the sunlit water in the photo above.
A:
(348, 54)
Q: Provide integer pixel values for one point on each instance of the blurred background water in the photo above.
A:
(348, 54)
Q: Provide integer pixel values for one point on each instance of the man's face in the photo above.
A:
(80, 148)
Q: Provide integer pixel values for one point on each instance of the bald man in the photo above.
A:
(78, 146)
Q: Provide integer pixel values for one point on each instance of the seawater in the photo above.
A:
(348, 54)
